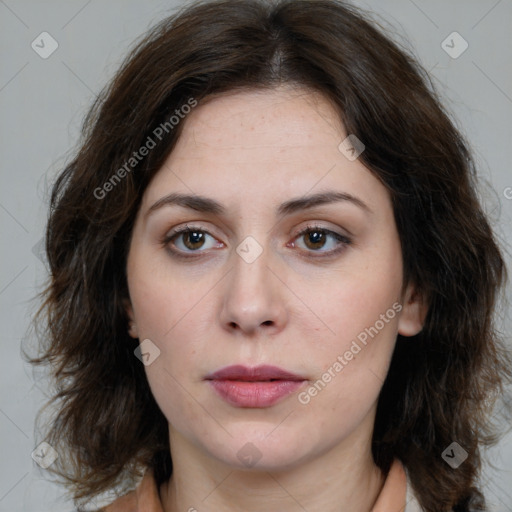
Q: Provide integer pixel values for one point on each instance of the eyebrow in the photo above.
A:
(207, 205)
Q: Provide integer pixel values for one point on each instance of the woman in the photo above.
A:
(272, 284)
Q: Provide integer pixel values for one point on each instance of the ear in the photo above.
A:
(414, 311)
(132, 326)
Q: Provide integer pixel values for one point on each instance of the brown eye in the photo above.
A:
(193, 239)
(317, 238)
(190, 239)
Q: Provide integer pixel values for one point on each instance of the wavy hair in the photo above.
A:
(108, 425)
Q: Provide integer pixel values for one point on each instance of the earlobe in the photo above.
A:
(414, 311)
(132, 326)
(132, 330)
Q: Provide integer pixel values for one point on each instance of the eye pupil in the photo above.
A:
(315, 238)
(195, 238)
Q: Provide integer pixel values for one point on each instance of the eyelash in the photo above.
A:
(343, 240)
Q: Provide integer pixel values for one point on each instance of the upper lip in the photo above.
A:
(255, 374)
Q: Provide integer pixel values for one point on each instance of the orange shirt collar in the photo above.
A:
(145, 498)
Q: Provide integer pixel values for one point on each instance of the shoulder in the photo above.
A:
(411, 501)
(125, 503)
(145, 497)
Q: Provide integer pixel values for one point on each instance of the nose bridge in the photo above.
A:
(251, 269)
(252, 297)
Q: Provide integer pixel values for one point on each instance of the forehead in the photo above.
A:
(259, 144)
(255, 118)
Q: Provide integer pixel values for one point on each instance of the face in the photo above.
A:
(265, 277)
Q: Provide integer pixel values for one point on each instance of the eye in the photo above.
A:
(188, 239)
(185, 241)
(316, 238)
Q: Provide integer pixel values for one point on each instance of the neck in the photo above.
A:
(341, 480)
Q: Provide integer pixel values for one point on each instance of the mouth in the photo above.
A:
(258, 387)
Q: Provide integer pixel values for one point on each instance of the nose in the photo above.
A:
(254, 296)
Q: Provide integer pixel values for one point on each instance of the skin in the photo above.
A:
(252, 151)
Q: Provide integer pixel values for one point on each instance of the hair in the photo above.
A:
(439, 381)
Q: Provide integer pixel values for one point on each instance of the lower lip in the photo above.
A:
(254, 394)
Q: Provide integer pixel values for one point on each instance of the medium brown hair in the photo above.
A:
(108, 422)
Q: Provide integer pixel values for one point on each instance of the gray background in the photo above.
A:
(42, 104)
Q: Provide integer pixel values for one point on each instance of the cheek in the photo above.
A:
(363, 291)
(161, 299)
(168, 313)
(171, 392)
(360, 320)
(174, 323)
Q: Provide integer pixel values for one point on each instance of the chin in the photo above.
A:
(254, 448)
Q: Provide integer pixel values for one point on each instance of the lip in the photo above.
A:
(257, 387)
